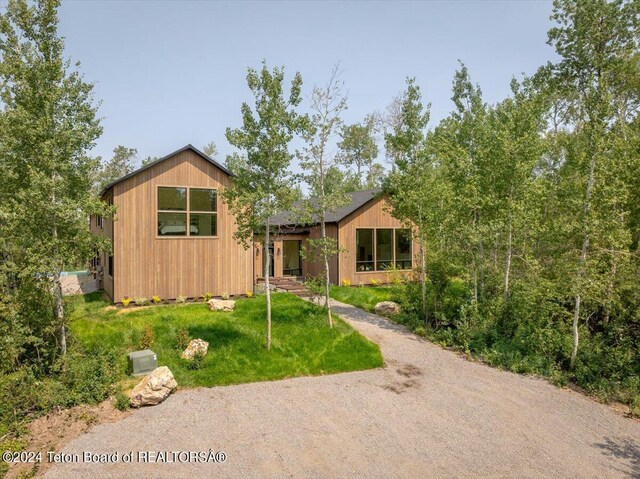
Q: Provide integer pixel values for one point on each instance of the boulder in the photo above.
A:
(154, 388)
(221, 304)
(387, 308)
(196, 346)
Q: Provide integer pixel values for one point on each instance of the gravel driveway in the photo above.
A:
(428, 413)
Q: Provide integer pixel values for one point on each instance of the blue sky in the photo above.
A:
(171, 73)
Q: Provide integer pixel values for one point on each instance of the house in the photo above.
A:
(371, 242)
(172, 236)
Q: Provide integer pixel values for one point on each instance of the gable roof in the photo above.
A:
(358, 200)
(160, 160)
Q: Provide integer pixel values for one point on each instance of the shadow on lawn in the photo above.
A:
(216, 335)
(624, 449)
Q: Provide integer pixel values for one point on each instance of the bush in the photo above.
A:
(147, 338)
(374, 282)
(121, 401)
(249, 294)
(182, 339)
(141, 301)
(197, 362)
(156, 299)
(125, 301)
(206, 297)
(225, 296)
(181, 299)
(346, 282)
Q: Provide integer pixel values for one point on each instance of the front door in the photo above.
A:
(291, 258)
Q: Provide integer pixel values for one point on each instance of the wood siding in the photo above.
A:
(372, 215)
(147, 265)
(313, 266)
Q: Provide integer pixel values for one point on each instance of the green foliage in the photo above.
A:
(197, 362)
(147, 338)
(206, 297)
(181, 299)
(121, 164)
(122, 401)
(125, 301)
(224, 296)
(156, 299)
(141, 301)
(182, 339)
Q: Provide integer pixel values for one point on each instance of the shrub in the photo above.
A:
(346, 282)
(374, 282)
(125, 301)
(182, 339)
(197, 362)
(121, 401)
(147, 338)
(225, 296)
(181, 299)
(141, 301)
(156, 299)
(206, 297)
(249, 294)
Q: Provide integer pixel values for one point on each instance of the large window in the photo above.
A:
(391, 248)
(199, 212)
(403, 249)
(364, 250)
(384, 249)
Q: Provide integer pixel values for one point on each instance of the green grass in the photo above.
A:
(364, 297)
(302, 342)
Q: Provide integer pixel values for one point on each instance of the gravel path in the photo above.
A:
(428, 413)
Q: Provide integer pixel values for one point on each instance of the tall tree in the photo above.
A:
(406, 184)
(327, 105)
(262, 186)
(48, 124)
(148, 159)
(211, 149)
(120, 164)
(358, 149)
(597, 42)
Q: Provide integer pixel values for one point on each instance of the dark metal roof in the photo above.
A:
(358, 200)
(153, 163)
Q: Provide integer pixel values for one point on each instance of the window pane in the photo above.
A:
(291, 264)
(203, 224)
(172, 224)
(403, 249)
(172, 199)
(384, 249)
(364, 250)
(203, 200)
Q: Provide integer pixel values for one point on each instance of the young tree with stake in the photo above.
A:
(262, 185)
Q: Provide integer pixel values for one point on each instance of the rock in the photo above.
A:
(387, 308)
(154, 388)
(195, 346)
(221, 304)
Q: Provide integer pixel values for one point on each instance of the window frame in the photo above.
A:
(373, 251)
(187, 212)
(375, 248)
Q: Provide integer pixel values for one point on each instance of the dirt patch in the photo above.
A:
(401, 386)
(409, 371)
(55, 430)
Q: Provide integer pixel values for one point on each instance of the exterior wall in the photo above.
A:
(372, 215)
(147, 265)
(106, 230)
(313, 266)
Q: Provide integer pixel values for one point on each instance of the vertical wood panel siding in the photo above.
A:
(373, 215)
(147, 265)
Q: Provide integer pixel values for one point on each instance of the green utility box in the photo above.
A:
(142, 362)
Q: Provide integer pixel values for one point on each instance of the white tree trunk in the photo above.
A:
(507, 270)
(267, 264)
(327, 283)
(423, 280)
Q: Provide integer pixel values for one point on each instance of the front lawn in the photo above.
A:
(363, 297)
(302, 344)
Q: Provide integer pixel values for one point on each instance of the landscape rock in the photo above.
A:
(221, 304)
(196, 346)
(387, 308)
(154, 388)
